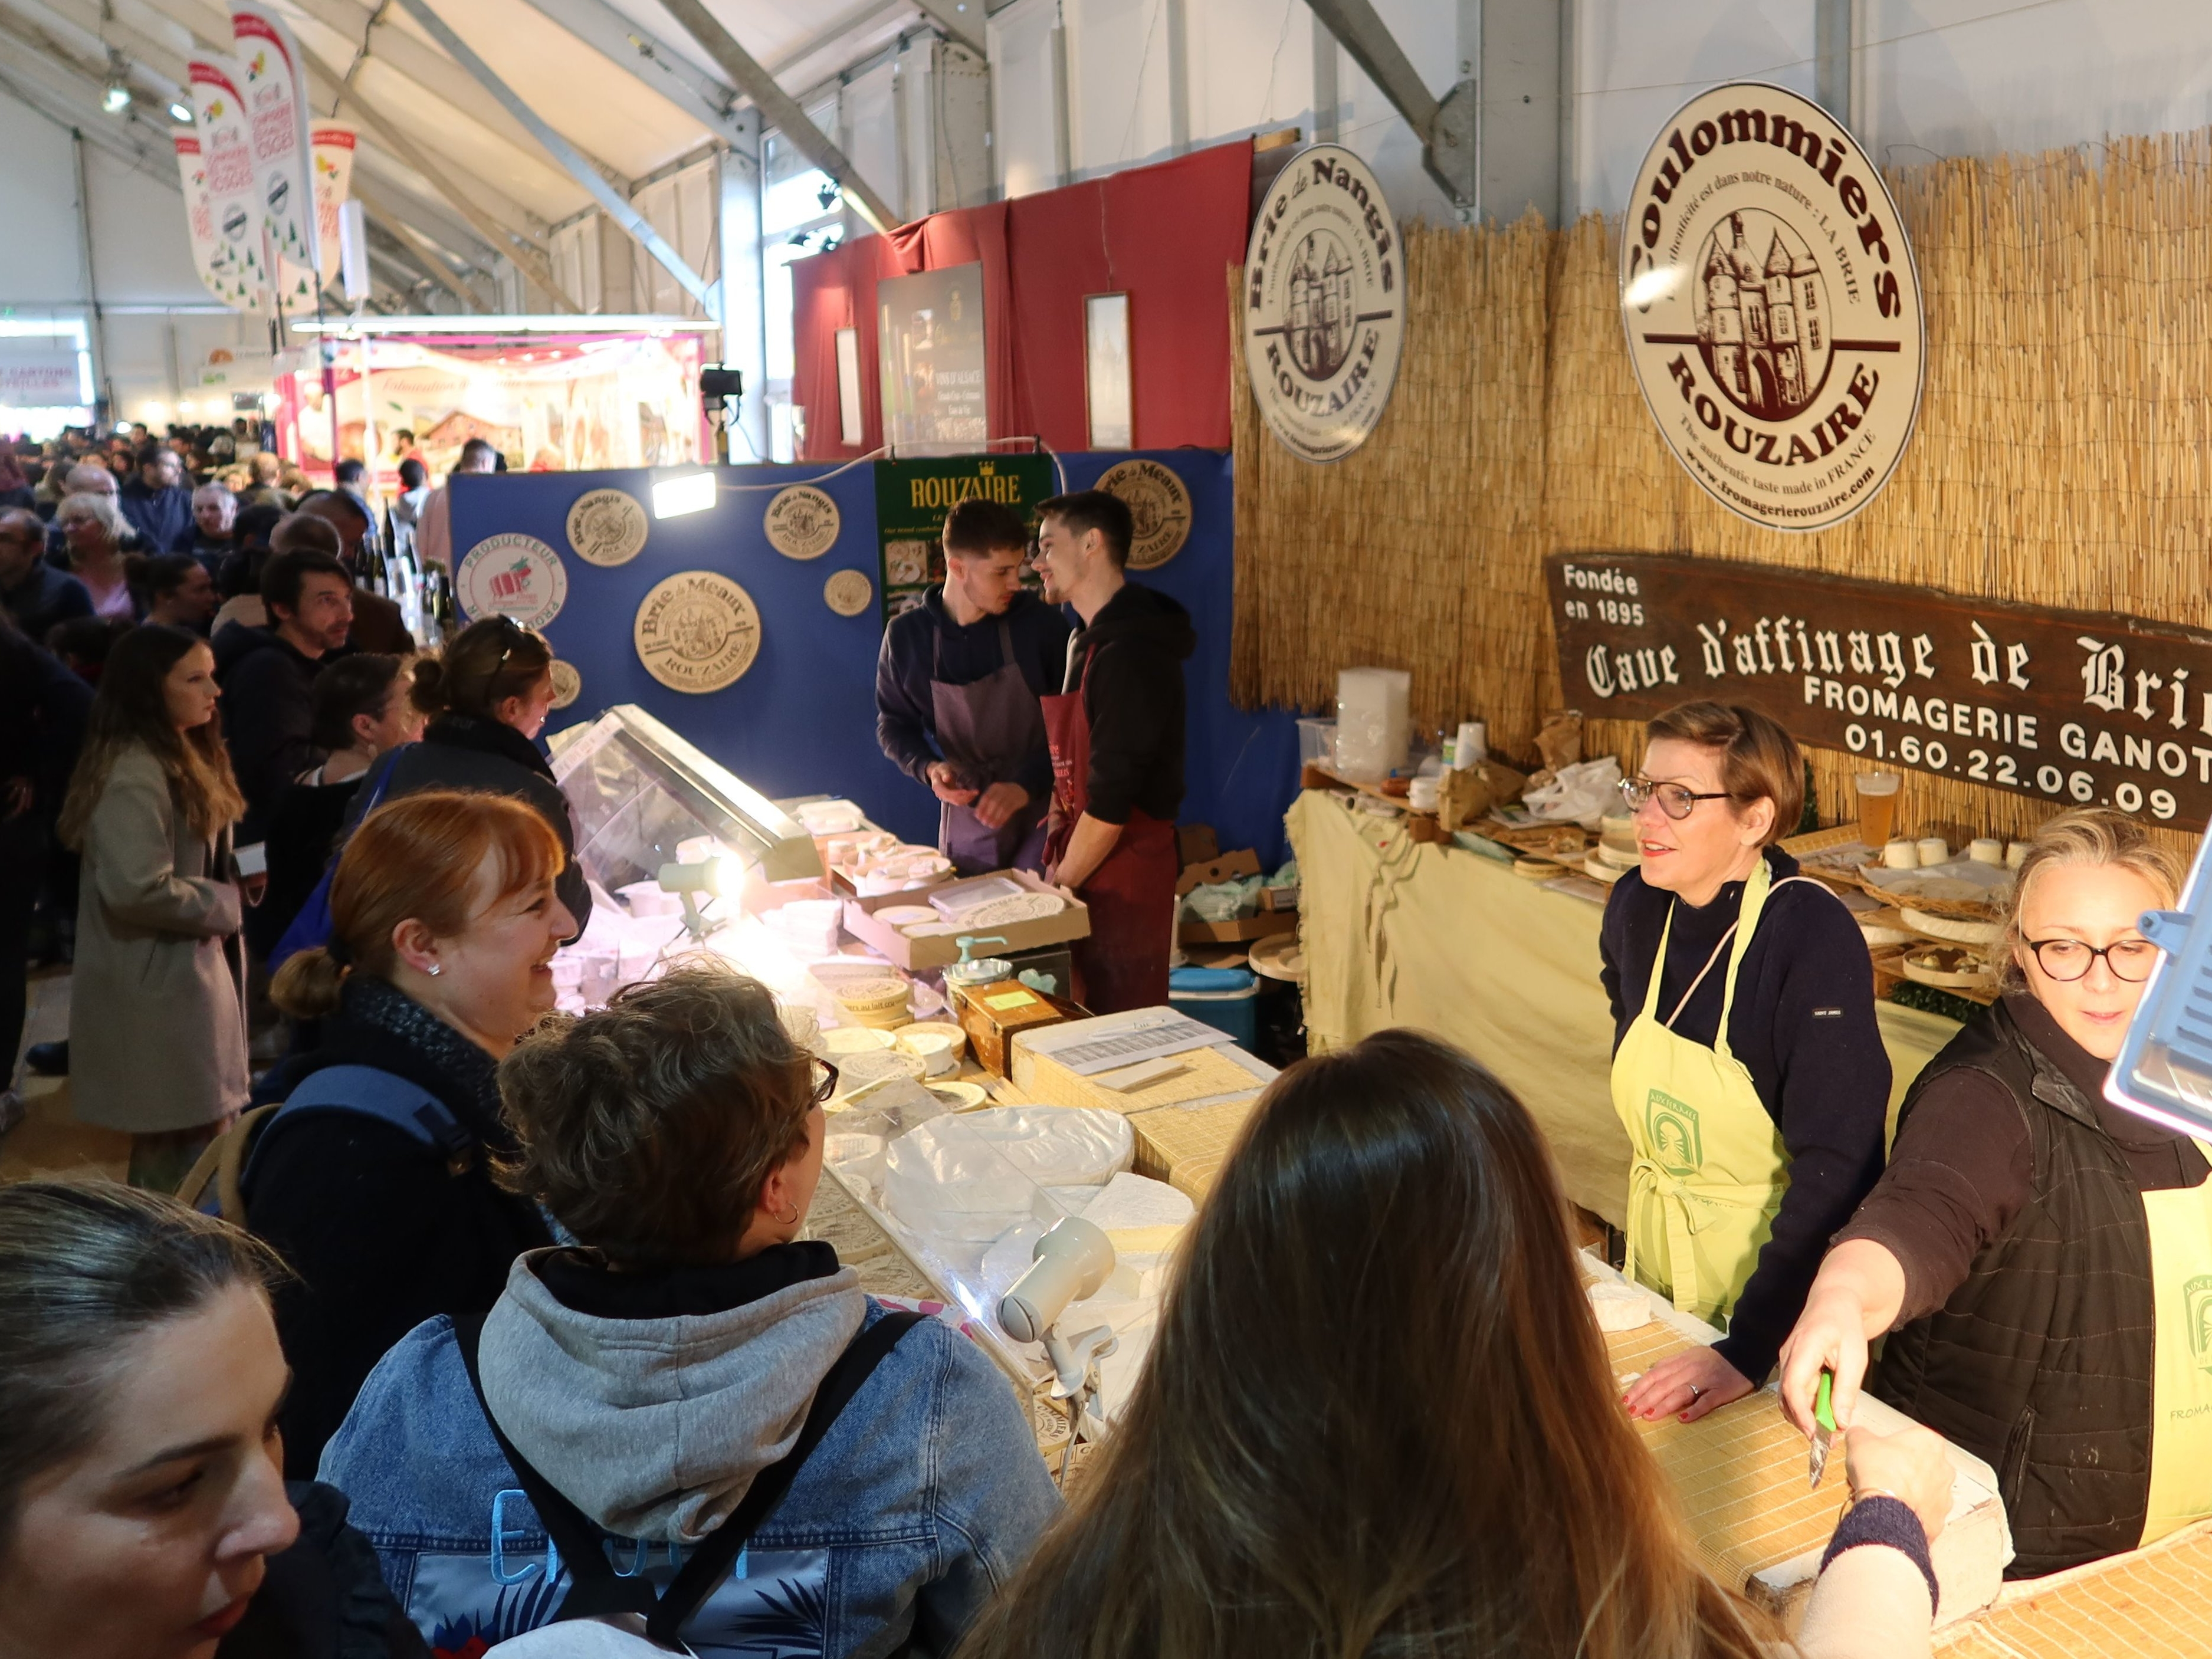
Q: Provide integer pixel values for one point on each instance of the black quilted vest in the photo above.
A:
(2041, 1362)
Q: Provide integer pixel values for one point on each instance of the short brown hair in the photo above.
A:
(415, 859)
(648, 1127)
(1085, 510)
(976, 528)
(2094, 835)
(1758, 759)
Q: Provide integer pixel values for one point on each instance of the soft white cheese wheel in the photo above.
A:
(1951, 928)
(1901, 856)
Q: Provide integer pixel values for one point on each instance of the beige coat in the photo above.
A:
(157, 1019)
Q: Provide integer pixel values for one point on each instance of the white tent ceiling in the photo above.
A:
(443, 167)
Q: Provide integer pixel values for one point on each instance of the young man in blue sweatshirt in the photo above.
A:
(957, 687)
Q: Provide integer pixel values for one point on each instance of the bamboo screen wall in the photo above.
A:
(2064, 455)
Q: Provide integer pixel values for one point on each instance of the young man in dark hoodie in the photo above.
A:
(1117, 751)
(957, 687)
(268, 674)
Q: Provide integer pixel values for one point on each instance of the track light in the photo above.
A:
(116, 98)
(181, 112)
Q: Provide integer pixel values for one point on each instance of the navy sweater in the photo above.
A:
(1803, 1025)
(906, 716)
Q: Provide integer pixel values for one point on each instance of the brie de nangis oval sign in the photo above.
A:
(1771, 307)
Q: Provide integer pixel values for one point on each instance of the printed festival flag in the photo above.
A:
(199, 219)
(333, 143)
(226, 152)
(276, 97)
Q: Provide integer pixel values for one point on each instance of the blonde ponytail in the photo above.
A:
(307, 986)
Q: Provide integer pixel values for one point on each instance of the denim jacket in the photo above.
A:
(920, 1503)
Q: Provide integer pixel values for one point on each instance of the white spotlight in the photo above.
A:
(694, 492)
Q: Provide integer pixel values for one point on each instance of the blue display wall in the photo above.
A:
(803, 719)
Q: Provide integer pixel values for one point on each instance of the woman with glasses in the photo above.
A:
(2041, 1260)
(1747, 1068)
(645, 1387)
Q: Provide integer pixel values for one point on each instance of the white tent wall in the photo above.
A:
(1932, 77)
(156, 341)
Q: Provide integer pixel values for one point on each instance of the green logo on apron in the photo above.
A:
(1671, 1126)
(2197, 1299)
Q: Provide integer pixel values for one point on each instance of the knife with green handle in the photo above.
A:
(1824, 1428)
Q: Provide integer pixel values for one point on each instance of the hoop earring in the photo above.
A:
(791, 1220)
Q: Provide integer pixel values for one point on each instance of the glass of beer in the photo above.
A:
(1877, 806)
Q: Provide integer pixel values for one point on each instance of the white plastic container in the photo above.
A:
(1374, 723)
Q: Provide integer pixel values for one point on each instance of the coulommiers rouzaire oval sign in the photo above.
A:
(1771, 307)
(1324, 304)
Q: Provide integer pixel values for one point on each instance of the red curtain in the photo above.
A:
(1166, 235)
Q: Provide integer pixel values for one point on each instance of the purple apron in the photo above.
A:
(989, 728)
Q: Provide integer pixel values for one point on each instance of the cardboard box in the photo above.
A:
(1230, 867)
(935, 951)
(1195, 843)
(1267, 924)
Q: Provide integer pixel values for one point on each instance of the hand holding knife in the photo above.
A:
(1824, 1429)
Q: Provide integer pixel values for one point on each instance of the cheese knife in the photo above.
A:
(1824, 1429)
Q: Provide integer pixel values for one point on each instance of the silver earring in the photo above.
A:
(435, 970)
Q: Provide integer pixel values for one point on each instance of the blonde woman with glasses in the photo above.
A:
(2039, 1259)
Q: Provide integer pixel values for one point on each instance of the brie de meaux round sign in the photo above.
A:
(1771, 307)
(1324, 304)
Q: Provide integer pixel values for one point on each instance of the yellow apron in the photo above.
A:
(1708, 1167)
(2181, 1364)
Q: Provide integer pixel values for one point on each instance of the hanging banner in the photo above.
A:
(1772, 307)
(1324, 304)
(2074, 708)
(332, 144)
(216, 272)
(276, 96)
(227, 151)
(913, 497)
(929, 348)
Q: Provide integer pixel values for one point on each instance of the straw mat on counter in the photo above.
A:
(1184, 1146)
(1206, 1074)
(1739, 1473)
(2150, 1604)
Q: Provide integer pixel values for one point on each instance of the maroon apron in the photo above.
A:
(1132, 896)
(987, 728)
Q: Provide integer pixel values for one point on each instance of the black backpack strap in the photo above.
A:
(596, 1589)
(595, 1586)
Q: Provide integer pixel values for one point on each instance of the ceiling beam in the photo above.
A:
(653, 61)
(779, 109)
(56, 92)
(958, 25)
(1446, 143)
(617, 206)
(424, 254)
(432, 225)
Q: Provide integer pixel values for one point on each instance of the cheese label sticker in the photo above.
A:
(697, 631)
(512, 575)
(608, 527)
(849, 593)
(1159, 505)
(802, 522)
(568, 684)
(1009, 999)
(1771, 307)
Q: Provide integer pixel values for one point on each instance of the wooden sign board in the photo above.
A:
(2074, 708)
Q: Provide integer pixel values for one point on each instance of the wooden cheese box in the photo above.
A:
(994, 1014)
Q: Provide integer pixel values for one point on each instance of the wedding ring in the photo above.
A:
(1696, 1394)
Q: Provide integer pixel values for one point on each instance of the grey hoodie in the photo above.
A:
(655, 1428)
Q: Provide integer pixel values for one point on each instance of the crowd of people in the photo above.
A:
(431, 1320)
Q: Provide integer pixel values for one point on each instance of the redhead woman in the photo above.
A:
(2036, 1255)
(156, 1015)
(1747, 1068)
(1334, 1449)
(143, 1507)
(374, 1178)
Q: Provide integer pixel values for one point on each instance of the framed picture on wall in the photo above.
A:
(1106, 370)
(848, 385)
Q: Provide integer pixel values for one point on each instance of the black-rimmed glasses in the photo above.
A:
(2068, 959)
(828, 1085)
(1674, 800)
